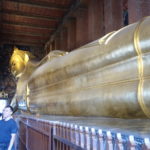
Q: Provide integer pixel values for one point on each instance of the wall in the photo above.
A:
(95, 18)
(138, 9)
(7, 82)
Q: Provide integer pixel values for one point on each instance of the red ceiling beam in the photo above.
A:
(45, 37)
(31, 9)
(26, 20)
(25, 29)
(61, 5)
(21, 43)
(13, 35)
(26, 25)
(29, 15)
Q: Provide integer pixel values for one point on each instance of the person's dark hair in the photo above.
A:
(11, 108)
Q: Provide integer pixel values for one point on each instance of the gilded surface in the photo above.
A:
(108, 77)
(19, 60)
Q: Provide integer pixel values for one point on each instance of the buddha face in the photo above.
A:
(18, 62)
(17, 66)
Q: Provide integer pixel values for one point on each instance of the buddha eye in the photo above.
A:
(13, 64)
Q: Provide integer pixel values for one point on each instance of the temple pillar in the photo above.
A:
(71, 26)
(113, 15)
(52, 45)
(81, 27)
(57, 42)
(138, 9)
(96, 19)
(64, 39)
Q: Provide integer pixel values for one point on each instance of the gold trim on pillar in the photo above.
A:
(140, 70)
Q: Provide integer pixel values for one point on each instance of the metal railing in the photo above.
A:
(40, 134)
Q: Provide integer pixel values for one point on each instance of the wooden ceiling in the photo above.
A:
(32, 22)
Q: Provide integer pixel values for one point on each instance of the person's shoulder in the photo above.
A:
(2, 120)
(12, 120)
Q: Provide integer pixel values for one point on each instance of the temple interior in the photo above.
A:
(76, 73)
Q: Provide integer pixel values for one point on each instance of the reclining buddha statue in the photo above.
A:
(108, 77)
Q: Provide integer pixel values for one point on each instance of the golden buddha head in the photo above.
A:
(18, 61)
